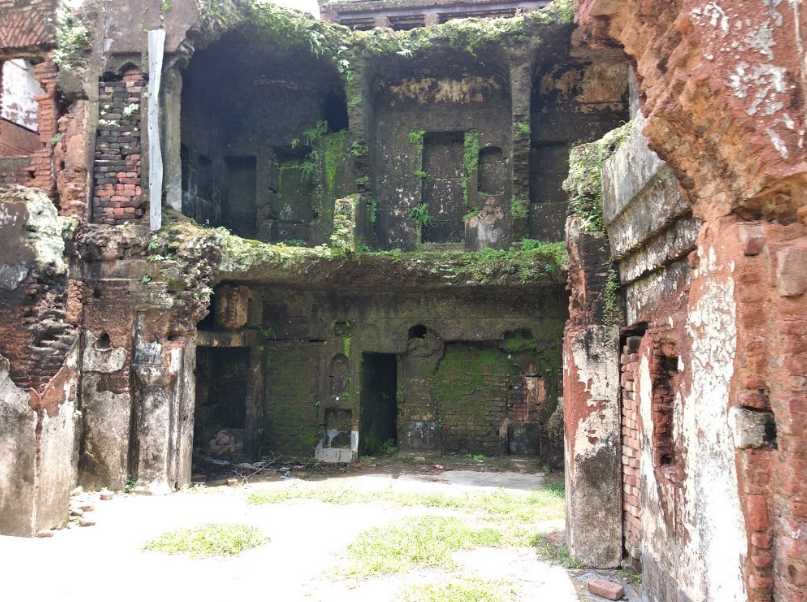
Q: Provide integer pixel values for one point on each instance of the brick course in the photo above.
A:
(118, 196)
(631, 449)
(27, 24)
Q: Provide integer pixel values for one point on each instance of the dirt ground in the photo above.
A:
(309, 540)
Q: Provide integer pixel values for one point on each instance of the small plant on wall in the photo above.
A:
(519, 208)
(420, 214)
(472, 146)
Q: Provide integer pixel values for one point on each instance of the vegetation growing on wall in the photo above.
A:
(584, 182)
(611, 313)
(470, 35)
(182, 246)
(420, 214)
(292, 29)
(73, 37)
(519, 208)
(472, 146)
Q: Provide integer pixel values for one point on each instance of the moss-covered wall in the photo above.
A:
(292, 398)
(411, 113)
(245, 101)
(470, 388)
(460, 369)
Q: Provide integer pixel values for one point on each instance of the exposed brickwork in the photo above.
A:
(471, 396)
(47, 113)
(15, 170)
(771, 364)
(27, 24)
(35, 332)
(35, 168)
(631, 448)
(292, 414)
(16, 140)
(71, 160)
(118, 196)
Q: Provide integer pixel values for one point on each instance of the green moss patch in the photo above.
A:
(182, 247)
(584, 182)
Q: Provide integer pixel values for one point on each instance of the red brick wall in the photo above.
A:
(771, 264)
(118, 195)
(27, 24)
(37, 171)
(16, 140)
(631, 448)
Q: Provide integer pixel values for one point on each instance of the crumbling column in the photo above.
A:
(164, 405)
(591, 408)
(38, 366)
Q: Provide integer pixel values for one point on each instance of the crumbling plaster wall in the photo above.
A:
(719, 85)
(39, 354)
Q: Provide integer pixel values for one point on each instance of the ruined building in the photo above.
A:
(577, 232)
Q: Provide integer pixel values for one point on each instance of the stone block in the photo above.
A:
(752, 239)
(672, 243)
(628, 171)
(653, 209)
(751, 428)
(232, 307)
(607, 589)
(791, 271)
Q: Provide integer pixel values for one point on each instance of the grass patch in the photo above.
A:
(555, 553)
(208, 540)
(512, 518)
(424, 541)
(464, 590)
(541, 505)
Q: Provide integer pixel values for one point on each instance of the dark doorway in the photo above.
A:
(443, 188)
(221, 400)
(379, 407)
(240, 211)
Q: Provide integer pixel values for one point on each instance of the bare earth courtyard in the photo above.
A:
(403, 535)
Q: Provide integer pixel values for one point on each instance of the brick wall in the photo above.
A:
(470, 391)
(16, 140)
(47, 113)
(35, 169)
(15, 170)
(118, 196)
(771, 289)
(27, 24)
(631, 449)
(292, 423)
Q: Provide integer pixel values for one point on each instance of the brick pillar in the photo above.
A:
(118, 195)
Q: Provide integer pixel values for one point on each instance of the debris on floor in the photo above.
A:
(610, 590)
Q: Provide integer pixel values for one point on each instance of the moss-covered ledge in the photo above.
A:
(342, 46)
(181, 244)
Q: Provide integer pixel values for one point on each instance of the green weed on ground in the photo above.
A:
(540, 505)
(424, 541)
(515, 516)
(556, 553)
(460, 590)
(207, 541)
